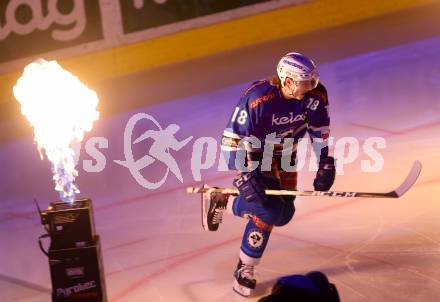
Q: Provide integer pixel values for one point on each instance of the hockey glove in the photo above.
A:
(326, 174)
(251, 186)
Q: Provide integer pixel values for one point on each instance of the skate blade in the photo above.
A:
(241, 290)
(205, 208)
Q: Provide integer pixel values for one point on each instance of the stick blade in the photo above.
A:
(191, 190)
(410, 179)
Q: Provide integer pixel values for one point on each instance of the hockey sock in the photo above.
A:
(255, 238)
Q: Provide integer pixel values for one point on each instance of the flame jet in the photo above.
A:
(60, 109)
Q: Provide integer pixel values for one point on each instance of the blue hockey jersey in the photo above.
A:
(263, 111)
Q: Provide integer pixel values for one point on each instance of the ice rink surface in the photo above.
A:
(154, 248)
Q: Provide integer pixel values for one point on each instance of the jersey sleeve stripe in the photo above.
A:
(230, 134)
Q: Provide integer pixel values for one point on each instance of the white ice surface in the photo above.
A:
(154, 248)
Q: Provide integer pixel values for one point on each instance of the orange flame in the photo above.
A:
(60, 109)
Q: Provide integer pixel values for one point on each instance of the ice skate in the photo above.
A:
(213, 206)
(244, 281)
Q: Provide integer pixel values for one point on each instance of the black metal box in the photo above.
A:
(77, 274)
(69, 225)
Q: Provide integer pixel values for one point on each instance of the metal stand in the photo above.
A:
(75, 253)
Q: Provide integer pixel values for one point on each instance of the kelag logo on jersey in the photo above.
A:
(282, 120)
(30, 27)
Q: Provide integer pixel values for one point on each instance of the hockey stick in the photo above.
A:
(398, 192)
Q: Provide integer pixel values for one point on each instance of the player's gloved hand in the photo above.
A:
(251, 186)
(326, 174)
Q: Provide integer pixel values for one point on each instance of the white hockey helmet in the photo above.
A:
(298, 67)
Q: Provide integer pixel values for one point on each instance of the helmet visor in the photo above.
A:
(306, 80)
(308, 84)
(314, 80)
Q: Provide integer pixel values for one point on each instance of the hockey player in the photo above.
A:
(286, 106)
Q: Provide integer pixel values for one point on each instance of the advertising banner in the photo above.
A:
(29, 27)
(139, 15)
